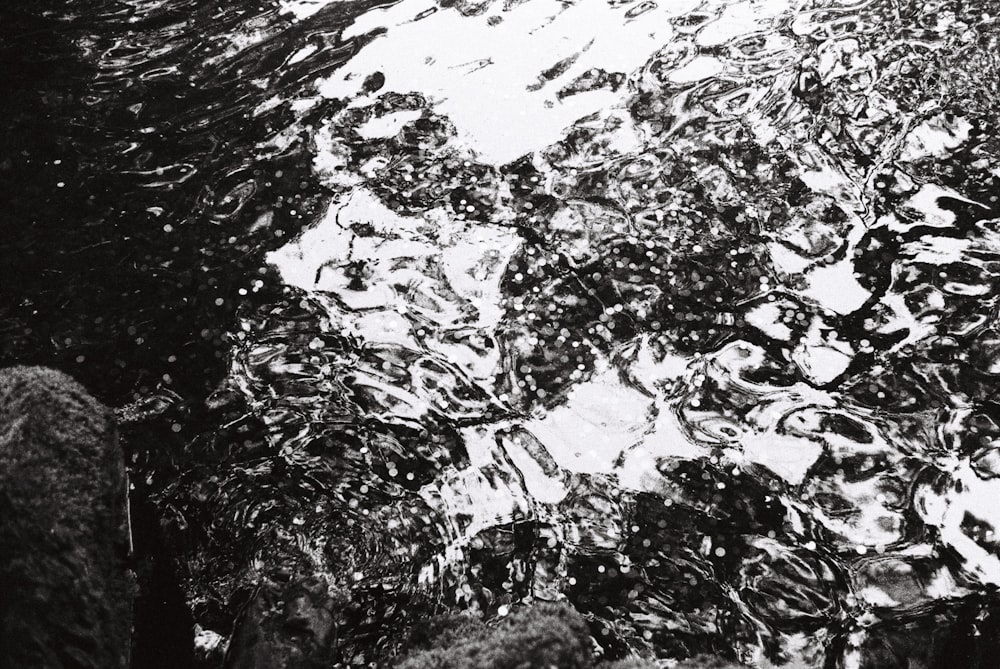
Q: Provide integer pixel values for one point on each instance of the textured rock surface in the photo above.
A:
(544, 635)
(540, 636)
(286, 626)
(65, 592)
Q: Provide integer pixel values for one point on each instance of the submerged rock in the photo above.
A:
(543, 635)
(65, 590)
(290, 626)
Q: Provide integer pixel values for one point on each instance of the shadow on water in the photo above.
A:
(136, 210)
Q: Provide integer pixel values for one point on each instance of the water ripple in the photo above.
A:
(682, 312)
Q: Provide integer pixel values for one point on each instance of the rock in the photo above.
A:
(65, 590)
(287, 626)
(544, 635)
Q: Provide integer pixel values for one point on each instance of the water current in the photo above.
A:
(682, 311)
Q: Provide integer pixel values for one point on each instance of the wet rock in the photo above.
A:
(65, 592)
(543, 635)
(546, 635)
(286, 626)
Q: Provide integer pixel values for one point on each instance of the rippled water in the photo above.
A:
(683, 311)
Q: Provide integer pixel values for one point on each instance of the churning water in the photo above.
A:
(683, 311)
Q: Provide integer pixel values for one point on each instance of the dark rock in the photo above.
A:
(544, 635)
(287, 626)
(65, 590)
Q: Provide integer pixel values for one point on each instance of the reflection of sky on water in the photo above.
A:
(676, 271)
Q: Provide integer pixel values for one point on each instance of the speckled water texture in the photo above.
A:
(682, 311)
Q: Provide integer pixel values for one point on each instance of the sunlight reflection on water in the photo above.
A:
(608, 239)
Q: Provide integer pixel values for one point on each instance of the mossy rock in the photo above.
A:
(544, 635)
(549, 636)
(65, 590)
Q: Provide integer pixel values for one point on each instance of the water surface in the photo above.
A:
(680, 311)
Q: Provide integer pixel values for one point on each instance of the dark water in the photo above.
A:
(681, 311)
